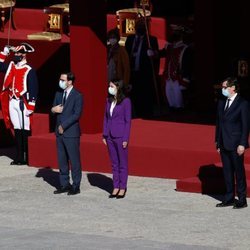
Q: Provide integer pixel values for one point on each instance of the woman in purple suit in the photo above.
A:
(116, 132)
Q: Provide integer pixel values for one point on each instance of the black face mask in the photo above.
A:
(17, 59)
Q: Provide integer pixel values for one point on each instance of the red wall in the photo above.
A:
(88, 59)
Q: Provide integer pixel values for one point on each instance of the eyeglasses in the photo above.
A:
(225, 87)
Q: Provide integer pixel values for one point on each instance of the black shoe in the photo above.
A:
(114, 195)
(62, 190)
(226, 204)
(14, 162)
(239, 205)
(121, 196)
(18, 163)
(74, 191)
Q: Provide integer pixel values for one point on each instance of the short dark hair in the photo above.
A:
(232, 81)
(70, 76)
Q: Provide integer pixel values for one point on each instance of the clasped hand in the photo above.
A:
(240, 150)
(151, 53)
(57, 109)
(60, 129)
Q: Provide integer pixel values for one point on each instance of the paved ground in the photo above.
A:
(152, 215)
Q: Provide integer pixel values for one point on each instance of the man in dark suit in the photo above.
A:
(68, 106)
(232, 131)
(143, 70)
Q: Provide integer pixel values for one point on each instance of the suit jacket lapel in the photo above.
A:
(69, 97)
(60, 98)
(108, 108)
(234, 104)
(114, 110)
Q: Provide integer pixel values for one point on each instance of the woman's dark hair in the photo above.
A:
(120, 95)
(114, 33)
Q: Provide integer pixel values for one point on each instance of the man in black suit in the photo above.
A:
(143, 70)
(67, 106)
(232, 131)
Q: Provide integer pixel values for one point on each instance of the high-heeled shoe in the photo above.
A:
(121, 196)
(114, 195)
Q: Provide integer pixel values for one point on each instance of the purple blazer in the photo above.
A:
(118, 125)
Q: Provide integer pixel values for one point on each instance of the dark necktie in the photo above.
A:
(64, 97)
(227, 104)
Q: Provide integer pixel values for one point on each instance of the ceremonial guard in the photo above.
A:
(18, 97)
(175, 70)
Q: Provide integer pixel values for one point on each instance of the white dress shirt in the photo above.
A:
(112, 107)
(231, 100)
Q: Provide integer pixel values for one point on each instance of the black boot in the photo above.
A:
(19, 145)
(27, 133)
(21, 140)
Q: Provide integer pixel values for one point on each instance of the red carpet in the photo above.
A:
(209, 180)
(157, 149)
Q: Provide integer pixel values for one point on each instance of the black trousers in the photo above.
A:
(234, 171)
(68, 152)
(21, 142)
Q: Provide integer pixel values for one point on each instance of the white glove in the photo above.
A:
(6, 50)
(28, 112)
(150, 53)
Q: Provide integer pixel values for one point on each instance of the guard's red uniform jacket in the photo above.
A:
(20, 81)
(173, 66)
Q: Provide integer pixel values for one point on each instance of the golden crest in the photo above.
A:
(144, 2)
(54, 21)
(130, 26)
(242, 68)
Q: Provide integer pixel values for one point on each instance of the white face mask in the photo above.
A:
(62, 84)
(112, 41)
(225, 92)
(112, 91)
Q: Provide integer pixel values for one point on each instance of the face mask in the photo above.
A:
(17, 59)
(225, 92)
(62, 84)
(112, 41)
(112, 91)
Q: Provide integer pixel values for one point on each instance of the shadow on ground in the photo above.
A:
(212, 180)
(8, 151)
(49, 176)
(101, 181)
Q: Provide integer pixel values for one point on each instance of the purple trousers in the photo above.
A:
(119, 160)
